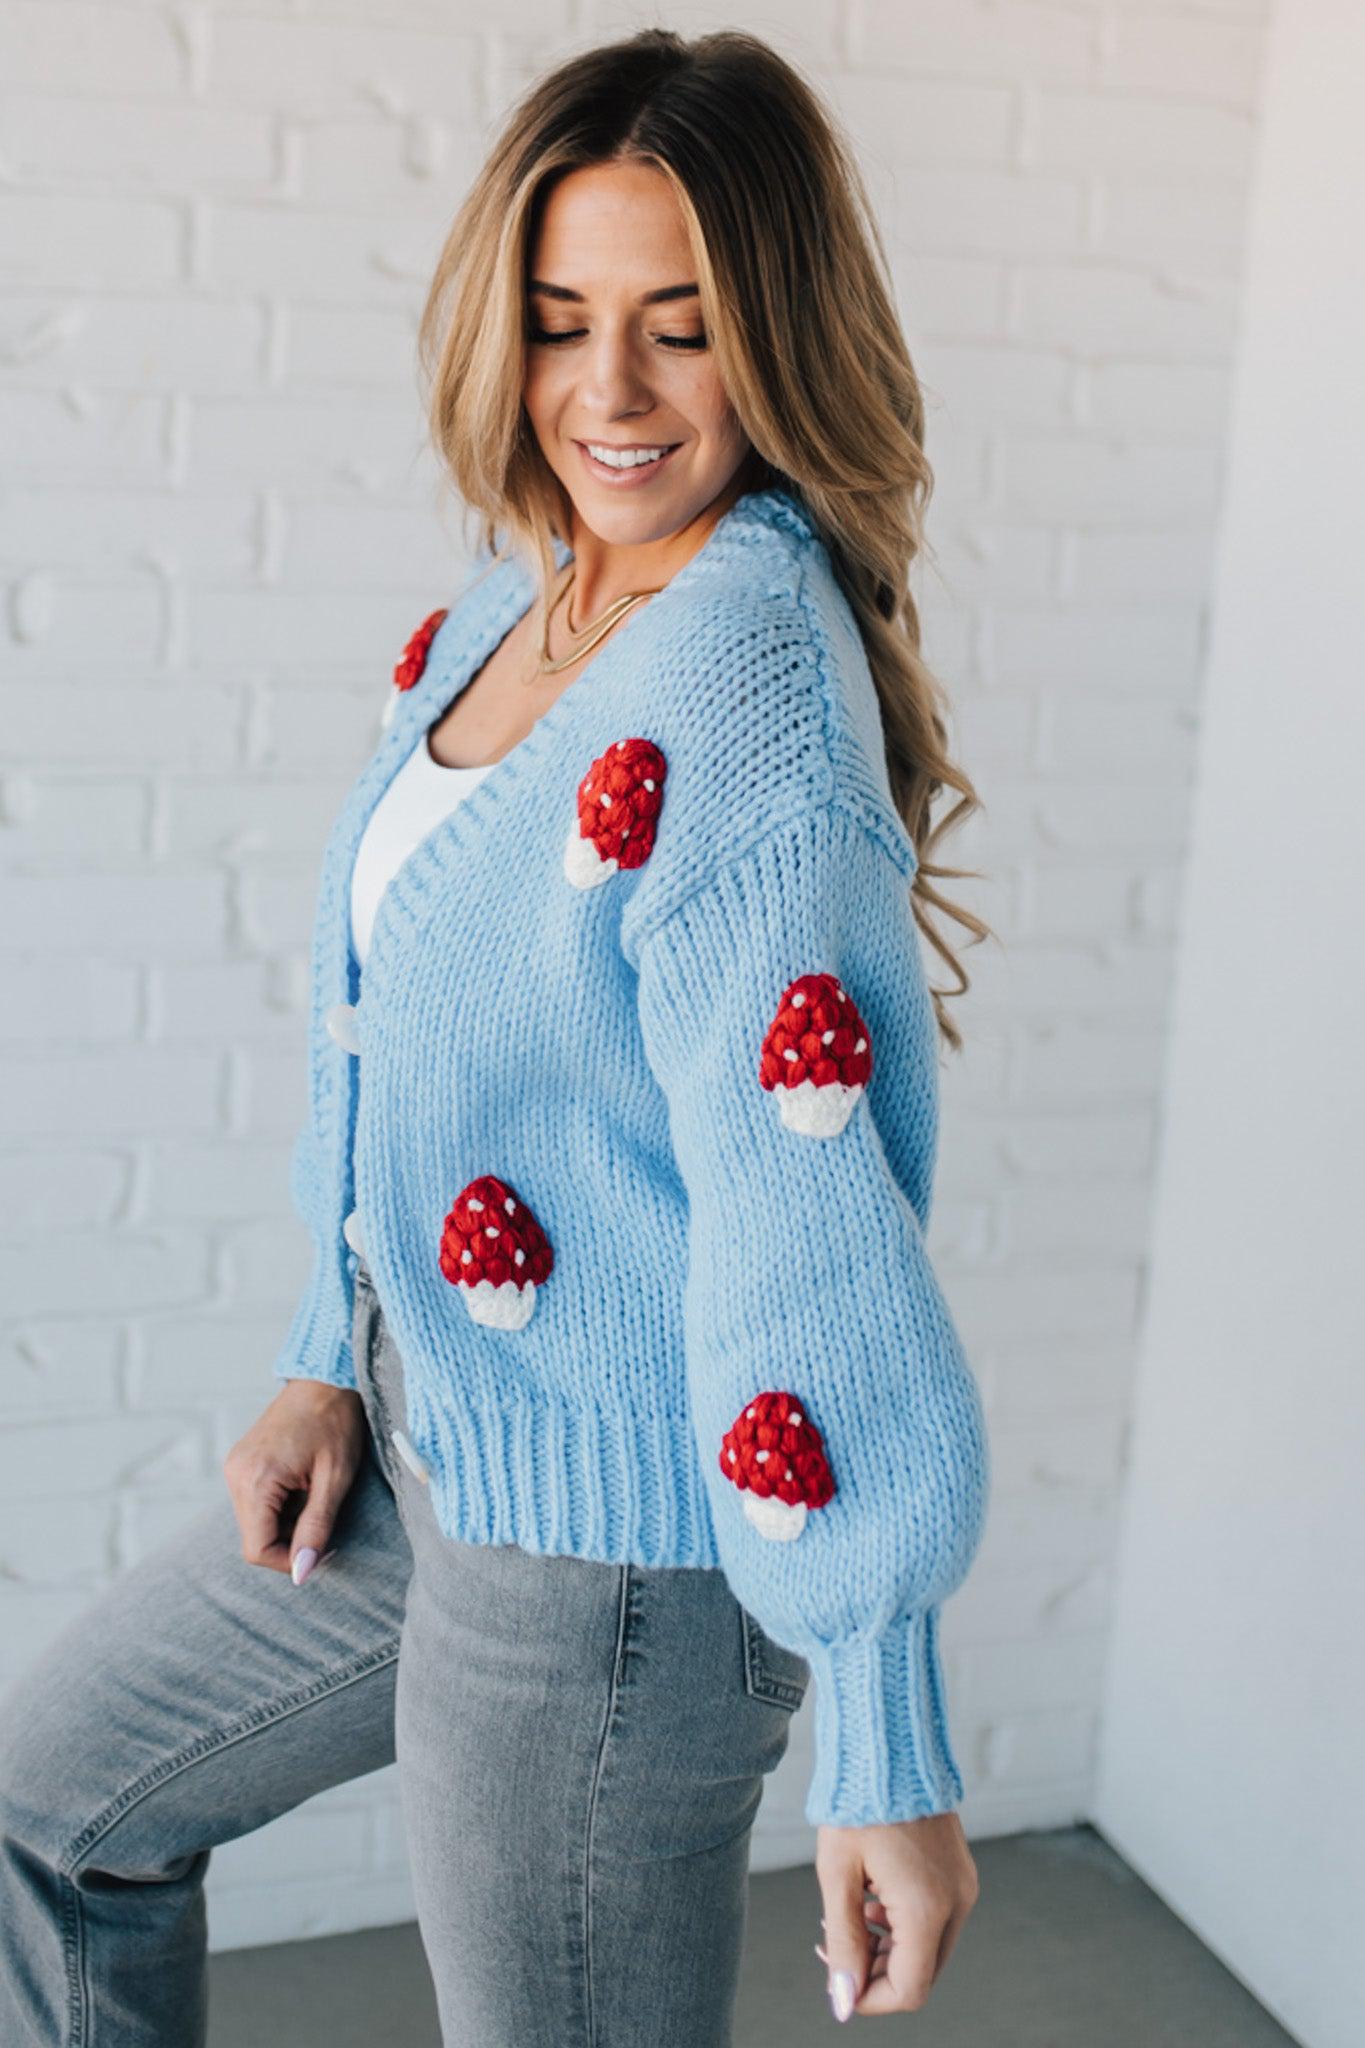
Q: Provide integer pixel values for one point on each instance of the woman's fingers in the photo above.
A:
(896, 1895)
(260, 1508)
(291, 1471)
(949, 1940)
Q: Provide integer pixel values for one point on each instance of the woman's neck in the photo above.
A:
(605, 570)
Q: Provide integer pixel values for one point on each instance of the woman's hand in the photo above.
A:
(308, 1442)
(894, 1944)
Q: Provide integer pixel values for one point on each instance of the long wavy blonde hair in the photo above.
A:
(796, 301)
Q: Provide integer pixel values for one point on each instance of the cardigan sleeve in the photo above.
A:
(785, 1014)
(317, 1345)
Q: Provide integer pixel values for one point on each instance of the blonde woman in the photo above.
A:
(622, 1402)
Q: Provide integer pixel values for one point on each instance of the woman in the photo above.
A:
(621, 1126)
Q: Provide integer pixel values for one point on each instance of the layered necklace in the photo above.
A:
(589, 635)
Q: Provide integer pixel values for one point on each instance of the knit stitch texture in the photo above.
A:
(636, 1122)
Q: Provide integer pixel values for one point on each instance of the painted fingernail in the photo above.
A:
(821, 1953)
(303, 1563)
(842, 1992)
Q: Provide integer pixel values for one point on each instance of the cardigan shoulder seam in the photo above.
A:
(838, 804)
(878, 820)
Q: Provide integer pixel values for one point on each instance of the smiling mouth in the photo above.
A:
(626, 472)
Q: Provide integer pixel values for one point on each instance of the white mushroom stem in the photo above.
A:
(773, 1517)
(818, 1112)
(583, 864)
(506, 1307)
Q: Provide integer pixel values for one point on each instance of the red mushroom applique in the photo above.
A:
(775, 1455)
(413, 660)
(495, 1252)
(816, 1056)
(618, 808)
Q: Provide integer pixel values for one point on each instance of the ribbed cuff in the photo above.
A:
(882, 1751)
(318, 1345)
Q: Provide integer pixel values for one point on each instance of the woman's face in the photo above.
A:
(616, 356)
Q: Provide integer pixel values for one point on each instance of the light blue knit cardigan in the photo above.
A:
(634, 1117)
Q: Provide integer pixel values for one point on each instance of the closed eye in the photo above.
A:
(572, 333)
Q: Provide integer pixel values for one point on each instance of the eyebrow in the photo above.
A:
(561, 291)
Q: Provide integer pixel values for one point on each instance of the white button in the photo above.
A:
(415, 1464)
(350, 1230)
(341, 1024)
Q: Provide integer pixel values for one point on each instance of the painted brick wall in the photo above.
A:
(218, 524)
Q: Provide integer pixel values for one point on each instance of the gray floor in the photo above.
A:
(1067, 1948)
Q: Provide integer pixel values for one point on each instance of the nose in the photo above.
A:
(614, 376)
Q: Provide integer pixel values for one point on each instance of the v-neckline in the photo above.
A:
(428, 701)
(430, 705)
(439, 687)
(438, 699)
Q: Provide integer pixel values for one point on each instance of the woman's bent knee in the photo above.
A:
(200, 1695)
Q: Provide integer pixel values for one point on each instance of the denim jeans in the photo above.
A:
(581, 1750)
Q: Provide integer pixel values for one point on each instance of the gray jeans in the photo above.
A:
(581, 1750)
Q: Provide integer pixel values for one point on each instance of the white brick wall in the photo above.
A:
(216, 527)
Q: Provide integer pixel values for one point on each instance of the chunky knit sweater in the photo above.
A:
(634, 1120)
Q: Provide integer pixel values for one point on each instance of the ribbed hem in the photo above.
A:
(318, 1345)
(881, 1735)
(560, 1478)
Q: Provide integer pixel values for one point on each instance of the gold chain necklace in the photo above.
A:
(589, 635)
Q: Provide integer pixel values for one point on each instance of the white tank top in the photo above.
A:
(422, 793)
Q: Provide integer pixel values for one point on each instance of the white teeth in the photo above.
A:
(623, 458)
